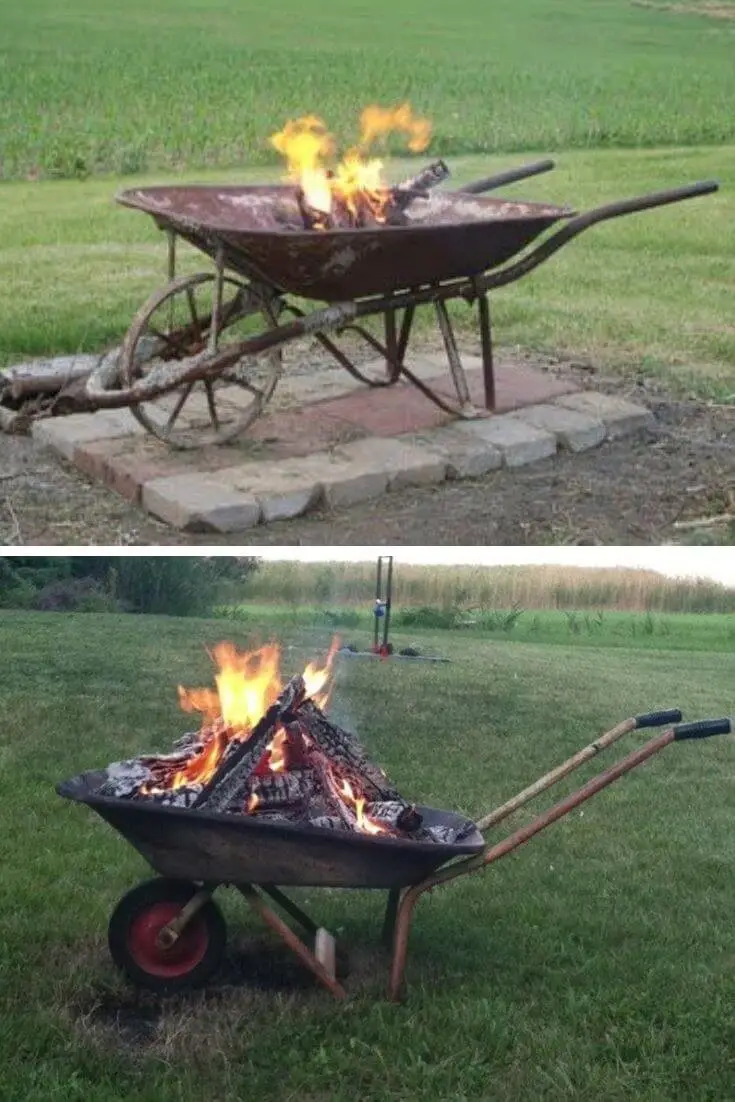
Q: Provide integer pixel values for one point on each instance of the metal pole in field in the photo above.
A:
(388, 596)
(381, 610)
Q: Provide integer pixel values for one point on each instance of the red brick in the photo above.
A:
(515, 386)
(299, 432)
(390, 411)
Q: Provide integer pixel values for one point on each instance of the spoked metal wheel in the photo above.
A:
(183, 322)
(135, 942)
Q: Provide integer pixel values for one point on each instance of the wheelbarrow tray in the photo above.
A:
(449, 236)
(218, 848)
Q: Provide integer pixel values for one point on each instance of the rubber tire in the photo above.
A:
(147, 894)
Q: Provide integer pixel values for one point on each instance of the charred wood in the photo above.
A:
(431, 176)
(230, 781)
(345, 751)
(394, 815)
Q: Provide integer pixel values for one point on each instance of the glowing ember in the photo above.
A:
(355, 182)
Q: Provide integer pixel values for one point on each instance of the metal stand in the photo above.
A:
(383, 593)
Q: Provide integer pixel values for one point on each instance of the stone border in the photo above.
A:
(210, 496)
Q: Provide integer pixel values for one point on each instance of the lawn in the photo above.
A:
(648, 294)
(595, 964)
(89, 87)
(631, 97)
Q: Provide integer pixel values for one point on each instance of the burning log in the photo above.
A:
(395, 815)
(431, 176)
(230, 781)
(345, 751)
(278, 790)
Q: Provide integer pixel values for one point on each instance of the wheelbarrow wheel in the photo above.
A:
(175, 327)
(136, 923)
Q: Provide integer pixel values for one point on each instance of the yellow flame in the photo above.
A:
(310, 151)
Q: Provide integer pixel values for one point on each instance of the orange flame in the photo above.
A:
(309, 149)
(364, 822)
(253, 802)
(248, 683)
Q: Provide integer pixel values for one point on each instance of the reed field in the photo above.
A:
(488, 588)
(88, 87)
(596, 963)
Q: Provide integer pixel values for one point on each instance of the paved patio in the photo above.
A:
(350, 445)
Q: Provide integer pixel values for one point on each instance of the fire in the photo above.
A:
(364, 822)
(248, 683)
(310, 151)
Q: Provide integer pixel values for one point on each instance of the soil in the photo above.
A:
(629, 491)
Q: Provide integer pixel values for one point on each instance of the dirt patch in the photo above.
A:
(710, 9)
(255, 970)
(630, 491)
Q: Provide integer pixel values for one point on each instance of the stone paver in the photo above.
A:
(405, 464)
(283, 490)
(465, 455)
(619, 417)
(200, 503)
(518, 443)
(573, 430)
(65, 434)
(328, 440)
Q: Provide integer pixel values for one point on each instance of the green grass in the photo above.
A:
(89, 87)
(572, 627)
(646, 294)
(595, 964)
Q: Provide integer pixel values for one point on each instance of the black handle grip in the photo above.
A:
(489, 183)
(658, 719)
(703, 729)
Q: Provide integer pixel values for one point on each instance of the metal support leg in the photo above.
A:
(290, 908)
(488, 368)
(393, 362)
(389, 921)
(217, 304)
(295, 944)
(455, 362)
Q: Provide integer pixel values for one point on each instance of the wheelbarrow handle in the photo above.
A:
(576, 224)
(489, 183)
(650, 719)
(658, 719)
(704, 728)
(644, 202)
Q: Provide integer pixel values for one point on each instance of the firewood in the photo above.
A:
(394, 815)
(229, 784)
(435, 173)
(280, 789)
(343, 749)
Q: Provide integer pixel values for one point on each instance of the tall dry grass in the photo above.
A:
(540, 587)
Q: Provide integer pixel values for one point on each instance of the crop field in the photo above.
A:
(87, 87)
(596, 963)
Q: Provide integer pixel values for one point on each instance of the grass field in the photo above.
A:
(595, 964)
(172, 90)
(650, 294)
(89, 87)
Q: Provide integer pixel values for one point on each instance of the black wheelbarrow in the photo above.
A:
(168, 934)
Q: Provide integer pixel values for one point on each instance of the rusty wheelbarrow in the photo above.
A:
(168, 934)
(203, 355)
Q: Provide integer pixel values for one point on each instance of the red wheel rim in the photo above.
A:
(183, 956)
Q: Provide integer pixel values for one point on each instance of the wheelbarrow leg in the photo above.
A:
(402, 928)
(389, 921)
(488, 368)
(320, 961)
(307, 924)
(455, 361)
